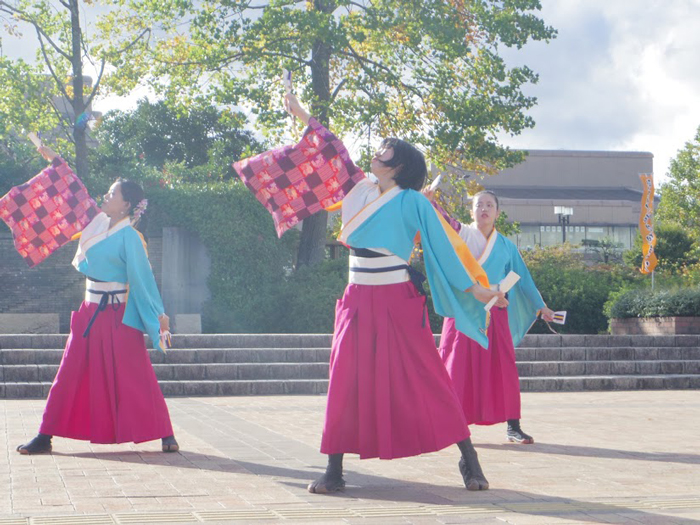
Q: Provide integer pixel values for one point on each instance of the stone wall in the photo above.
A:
(655, 326)
(53, 286)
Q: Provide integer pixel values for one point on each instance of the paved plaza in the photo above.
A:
(600, 457)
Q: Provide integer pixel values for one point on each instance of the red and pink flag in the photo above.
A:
(294, 182)
(45, 212)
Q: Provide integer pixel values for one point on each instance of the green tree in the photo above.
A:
(607, 249)
(674, 248)
(63, 49)
(680, 195)
(428, 71)
(22, 108)
(158, 135)
(566, 282)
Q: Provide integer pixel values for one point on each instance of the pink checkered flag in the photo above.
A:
(294, 182)
(45, 212)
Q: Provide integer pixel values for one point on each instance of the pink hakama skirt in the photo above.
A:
(486, 381)
(389, 395)
(105, 390)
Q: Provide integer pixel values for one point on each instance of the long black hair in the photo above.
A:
(133, 193)
(412, 169)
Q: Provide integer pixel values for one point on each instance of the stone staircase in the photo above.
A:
(274, 364)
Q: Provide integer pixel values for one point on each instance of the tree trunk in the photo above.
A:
(78, 101)
(312, 245)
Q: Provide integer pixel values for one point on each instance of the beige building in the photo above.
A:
(601, 188)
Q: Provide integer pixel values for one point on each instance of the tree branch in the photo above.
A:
(26, 18)
(97, 84)
(58, 81)
(337, 89)
(65, 122)
(364, 60)
(290, 57)
(135, 41)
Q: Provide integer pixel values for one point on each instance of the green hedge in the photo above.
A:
(254, 288)
(566, 282)
(663, 303)
(252, 283)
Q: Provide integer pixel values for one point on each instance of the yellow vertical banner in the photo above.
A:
(646, 223)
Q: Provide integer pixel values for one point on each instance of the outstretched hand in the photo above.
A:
(547, 314)
(47, 153)
(485, 295)
(294, 108)
(429, 193)
(164, 321)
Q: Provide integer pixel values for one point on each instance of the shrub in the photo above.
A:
(663, 303)
(249, 265)
(567, 283)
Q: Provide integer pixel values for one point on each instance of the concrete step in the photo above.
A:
(188, 372)
(319, 370)
(621, 353)
(602, 383)
(317, 355)
(50, 341)
(184, 356)
(605, 368)
(39, 390)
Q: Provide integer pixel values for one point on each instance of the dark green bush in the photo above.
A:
(567, 283)
(663, 303)
(249, 265)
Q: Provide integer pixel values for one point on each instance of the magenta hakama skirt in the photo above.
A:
(105, 390)
(486, 381)
(389, 395)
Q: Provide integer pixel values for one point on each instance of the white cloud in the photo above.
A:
(621, 75)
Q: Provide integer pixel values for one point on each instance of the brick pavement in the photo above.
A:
(600, 457)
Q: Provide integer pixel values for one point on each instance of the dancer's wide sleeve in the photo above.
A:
(144, 303)
(524, 299)
(451, 269)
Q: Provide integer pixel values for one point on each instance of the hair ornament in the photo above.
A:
(140, 209)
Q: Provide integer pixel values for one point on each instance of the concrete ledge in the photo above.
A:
(655, 325)
(29, 324)
(188, 324)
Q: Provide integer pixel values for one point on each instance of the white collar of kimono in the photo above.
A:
(490, 242)
(98, 230)
(366, 212)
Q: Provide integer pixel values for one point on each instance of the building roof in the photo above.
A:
(580, 194)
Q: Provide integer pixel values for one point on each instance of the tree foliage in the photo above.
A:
(428, 71)
(680, 195)
(674, 248)
(64, 48)
(567, 283)
(202, 140)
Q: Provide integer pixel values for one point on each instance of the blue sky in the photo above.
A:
(621, 75)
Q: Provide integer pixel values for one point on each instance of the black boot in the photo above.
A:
(469, 467)
(41, 444)
(170, 444)
(516, 435)
(332, 480)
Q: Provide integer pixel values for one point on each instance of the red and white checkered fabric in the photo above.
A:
(294, 182)
(45, 212)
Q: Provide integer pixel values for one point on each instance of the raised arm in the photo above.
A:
(294, 107)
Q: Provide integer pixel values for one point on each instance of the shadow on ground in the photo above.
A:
(365, 487)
